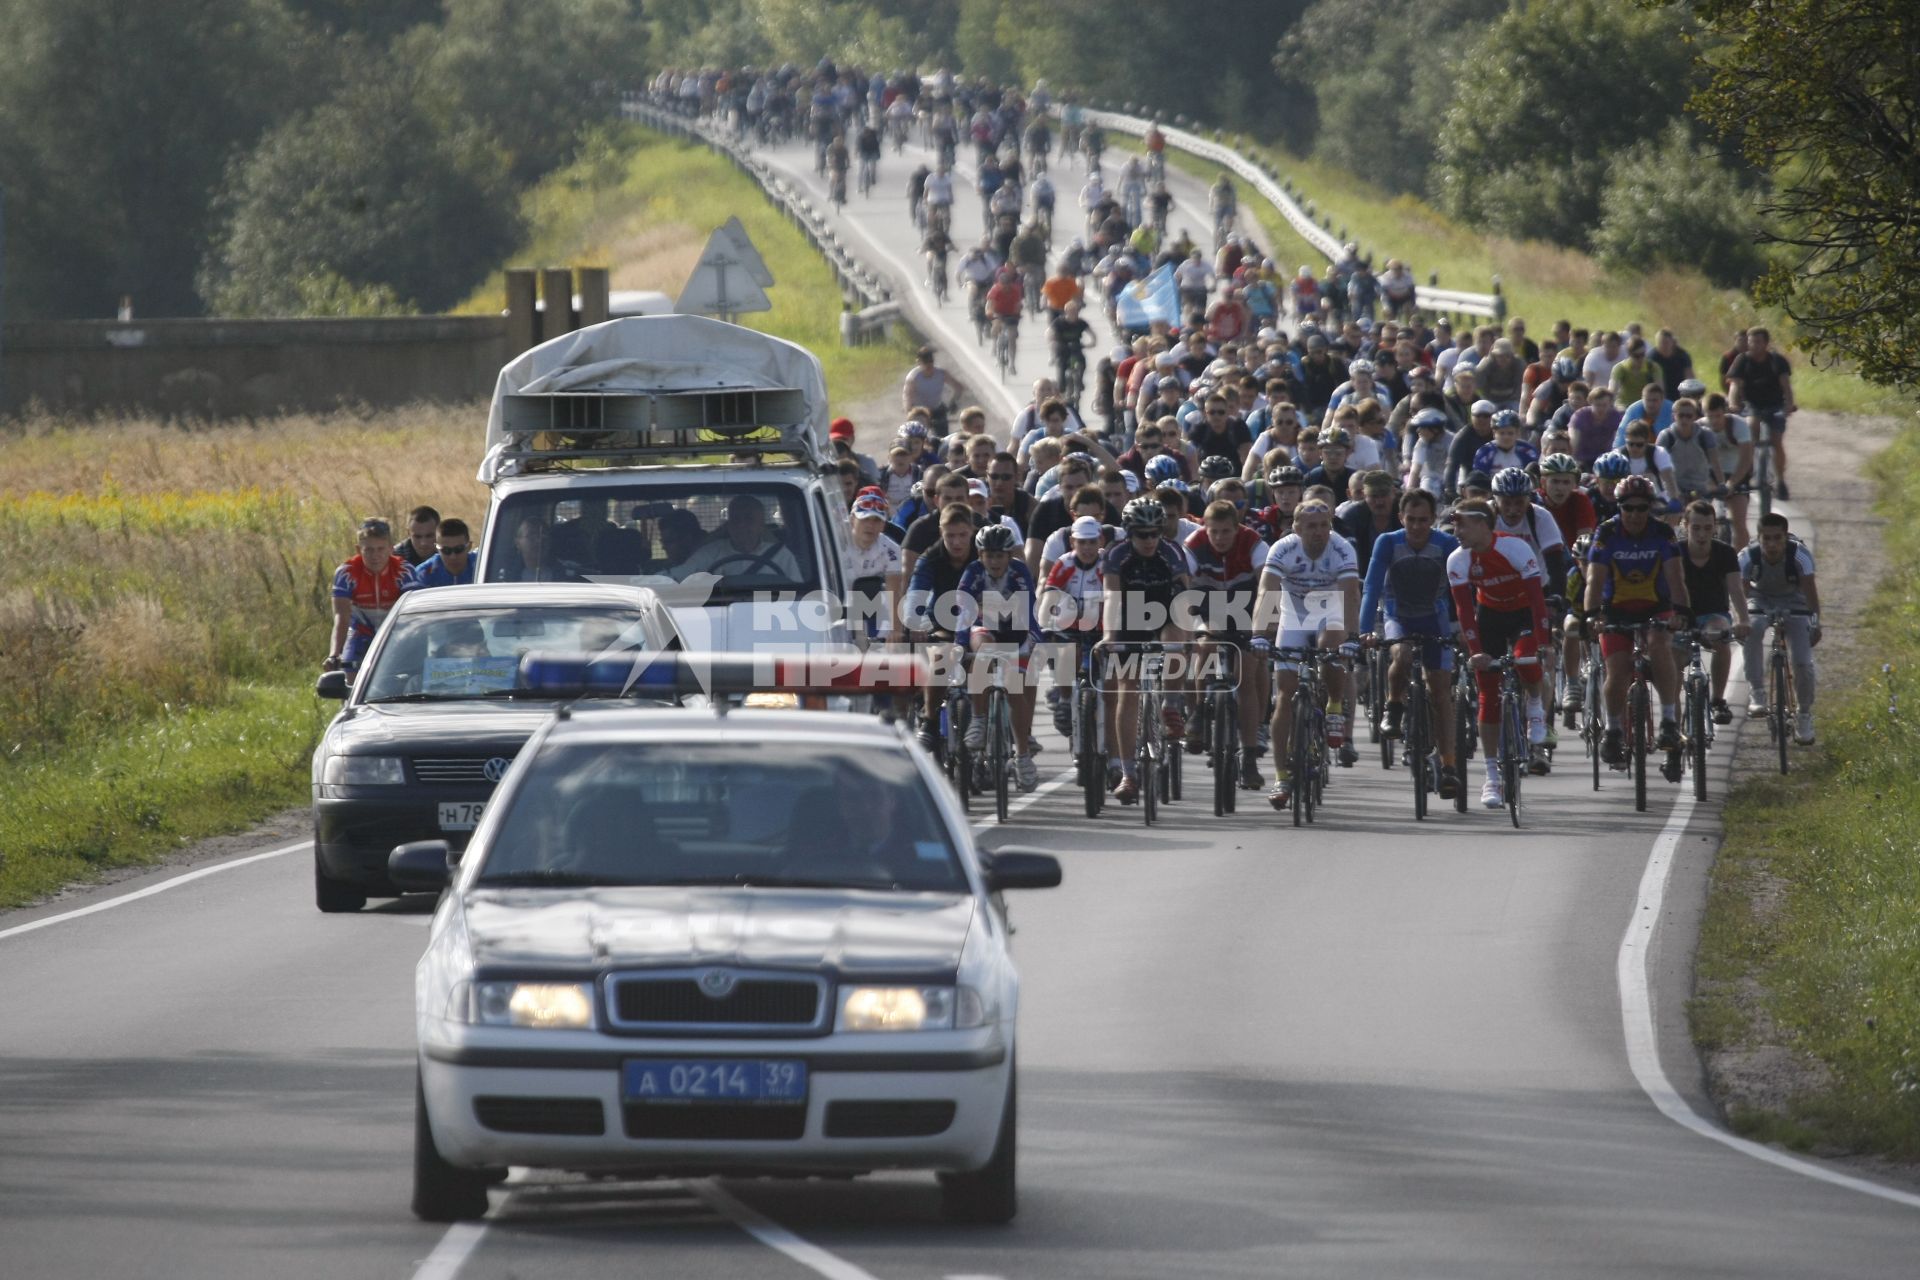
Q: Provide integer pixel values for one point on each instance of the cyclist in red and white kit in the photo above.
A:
(1500, 598)
(364, 589)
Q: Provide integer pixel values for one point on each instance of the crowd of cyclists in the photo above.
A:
(1298, 470)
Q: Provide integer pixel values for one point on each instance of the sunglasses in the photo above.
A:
(1636, 506)
(1144, 533)
(453, 551)
(1216, 413)
(999, 475)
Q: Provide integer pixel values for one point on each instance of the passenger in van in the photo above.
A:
(538, 563)
(746, 549)
(680, 536)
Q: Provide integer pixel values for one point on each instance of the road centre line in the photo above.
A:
(152, 889)
(455, 1247)
(776, 1237)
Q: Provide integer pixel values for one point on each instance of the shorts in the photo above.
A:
(1612, 642)
(1504, 631)
(1776, 419)
(1297, 638)
(354, 650)
(1435, 652)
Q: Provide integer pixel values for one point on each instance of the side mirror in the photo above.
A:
(424, 866)
(331, 684)
(1020, 869)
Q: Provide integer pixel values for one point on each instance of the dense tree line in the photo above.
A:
(286, 156)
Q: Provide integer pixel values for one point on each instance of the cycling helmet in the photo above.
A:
(1566, 368)
(1163, 467)
(1612, 466)
(1215, 467)
(1431, 418)
(1482, 407)
(1358, 367)
(1142, 514)
(1282, 476)
(1506, 419)
(1559, 464)
(1511, 482)
(1634, 487)
(1177, 485)
(995, 537)
(1338, 437)
(1692, 387)
(915, 428)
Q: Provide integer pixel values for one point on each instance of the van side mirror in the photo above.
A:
(424, 866)
(1020, 869)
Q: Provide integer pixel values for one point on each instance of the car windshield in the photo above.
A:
(443, 655)
(750, 814)
(724, 542)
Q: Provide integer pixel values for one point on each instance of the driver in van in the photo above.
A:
(746, 550)
(534, 541)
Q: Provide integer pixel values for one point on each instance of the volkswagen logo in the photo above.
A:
(496, 768)
(717, 984)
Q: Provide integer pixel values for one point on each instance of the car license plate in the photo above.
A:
(461, 815)
(691, 1081)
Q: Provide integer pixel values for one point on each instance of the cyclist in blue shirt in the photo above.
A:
(997, 603)
(453, 565)
(1407, 579)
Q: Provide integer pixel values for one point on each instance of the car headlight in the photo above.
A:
(546, 1006)
(364, 771)
(910, 1009)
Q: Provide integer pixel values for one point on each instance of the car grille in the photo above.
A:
(647, 1003)
(717, 1122)
(456, 768)
(907, 1118)
(579, 1117)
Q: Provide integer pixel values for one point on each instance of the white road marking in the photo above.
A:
(777, 1237)
(150, 890)
(452, 1252)
(1643, 1044)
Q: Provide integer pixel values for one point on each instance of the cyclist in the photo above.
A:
(1695, 452)
(1779, 576)
(1560, 493)
(873, 565)
(1093, 139)
(1069, 334)
(1039, 142)
(366, 587)
(1139, 577)
(1133, 190)
(1634, 576)
(1714, 596)
(1028, 253)
(935, 577)
(1070, 600)
(838, 162)
(927, 386)
(988, 181)
(1520, 516)
(1736, 452)
(1499, 594)
(1407, 579)
(867, 147)
(1159, 206)
(917, 194)
(1645, 458)
(1227, 558)
(978, 266)
(938, 194)
(996, 611)
(1043, 202)
(1761, 380)
(1310, 586)
(1156, 143)
(1506, 449)
(935, 247)
(1225, 203)
(1003, 302)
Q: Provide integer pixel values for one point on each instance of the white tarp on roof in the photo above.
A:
(642, 354)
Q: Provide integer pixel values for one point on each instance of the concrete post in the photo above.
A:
(596, 294)
(556, 290)
(523, 331)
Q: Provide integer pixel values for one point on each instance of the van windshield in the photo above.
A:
(739, 540)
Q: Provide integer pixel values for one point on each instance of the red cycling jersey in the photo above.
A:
(1574, 516)
(1005, 299)
(1504, 577)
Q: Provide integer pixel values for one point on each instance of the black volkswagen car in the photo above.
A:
(439, 711)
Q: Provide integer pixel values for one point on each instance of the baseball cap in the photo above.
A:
(841, 429)
(977, 488)
(1476, 480)
(1086, 527)
(1483, 406)
(870, 509)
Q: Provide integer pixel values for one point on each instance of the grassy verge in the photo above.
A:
(1546, 282)
(1815, 898)
(646, 203)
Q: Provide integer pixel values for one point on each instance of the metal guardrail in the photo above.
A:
(1298, 215)
(857, 280)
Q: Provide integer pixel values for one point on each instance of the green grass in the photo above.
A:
(644, 204)
(127, 800)
(1832, 850)
(1546, 282)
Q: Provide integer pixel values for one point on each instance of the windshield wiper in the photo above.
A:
(548, 878)
(418, 697)
(754, 880)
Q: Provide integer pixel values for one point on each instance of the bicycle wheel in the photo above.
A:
(1175, 776)
(1697, 733)
(1637, 713)
(1594, 727)
(1300, 767)
(1782, 715)
(1513, 752)
(1463, 741)
(999, 736)
(1377, 699)
(1086, 727)
(1417, 747)
(1223, 734)
(1147, 762)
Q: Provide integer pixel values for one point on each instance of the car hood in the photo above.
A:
(841, 932)
(461, 726)
(750, 626)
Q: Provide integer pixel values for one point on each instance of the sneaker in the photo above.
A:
(1803, 729)
(976, 734)
(1249, 774)
(1574, 699)
(1063, 720)
(1492, 795)
(1782, 488)
(1722, 713)
(1196, 739)
(1128, 792)
(1447, 782)
(1755, 708)
(1553, 735)
(1280, 796)
(1336, 730)
(1613, 749)
(1033, 745)
(1347, 756)
(1396, 712)
(1026, 775)
(1536, 729)
(1175, 721)
(1669, 739)
(1537, 761)
(1113, 774)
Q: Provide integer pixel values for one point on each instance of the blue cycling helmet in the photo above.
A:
(1176, 484)
(1163, 467)
(1612, 466)
(1511, 482)
(1506, 418)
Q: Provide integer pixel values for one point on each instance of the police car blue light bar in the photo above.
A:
(664, 675)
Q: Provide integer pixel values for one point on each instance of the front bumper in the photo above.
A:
(956, 1089)
(354, 833)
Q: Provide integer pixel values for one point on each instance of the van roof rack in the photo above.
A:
(554, 430)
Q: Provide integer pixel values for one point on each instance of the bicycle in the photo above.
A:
(1377, 657)
(1307, 753)
(1781, 703)
(1416, 729)
(1223, 220)
(1084, 707)
(937, 277)
(1150, 751)
(837, 189)
(1696, 704)
(1219, 711)
(1004, 336)
(1593, 722)
(1070, 371)
(1466, 713)
(1639, 705)
(869, 175)
(1512, 738)
(1000, 745)
(955, 714)
(1156, 166)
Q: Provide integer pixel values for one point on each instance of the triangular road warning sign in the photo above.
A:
(750, 257)
(721, 284)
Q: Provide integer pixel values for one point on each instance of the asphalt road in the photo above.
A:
(1373, 1049)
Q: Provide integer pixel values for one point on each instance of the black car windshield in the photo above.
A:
(749, 814)
(439, 655)
(723, 543)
